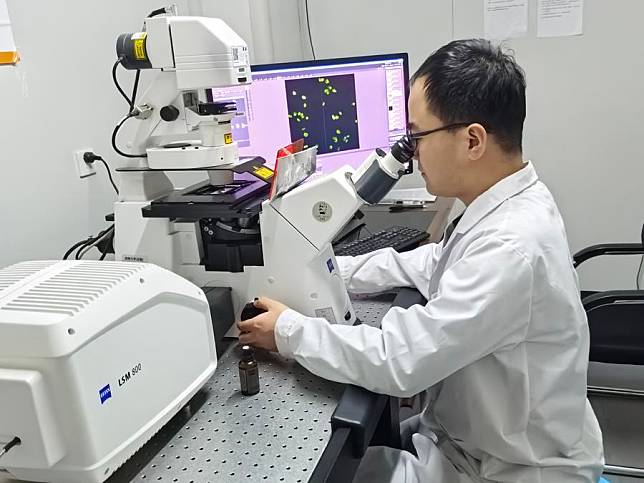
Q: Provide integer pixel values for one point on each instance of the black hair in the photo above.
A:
(476, 81)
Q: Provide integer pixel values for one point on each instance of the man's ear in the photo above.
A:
(478, 139)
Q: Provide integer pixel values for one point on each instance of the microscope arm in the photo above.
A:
(320, 208)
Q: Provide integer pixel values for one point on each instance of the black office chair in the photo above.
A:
(616, 322)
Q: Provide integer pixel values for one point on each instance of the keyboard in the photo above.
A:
(400, 238)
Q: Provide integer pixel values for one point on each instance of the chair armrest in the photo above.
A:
(612, 296)
(607, 249)
(361, 410)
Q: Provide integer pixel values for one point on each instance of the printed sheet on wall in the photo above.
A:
(8, 52)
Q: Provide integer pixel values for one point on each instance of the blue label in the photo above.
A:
(329, 264)
(105, 393)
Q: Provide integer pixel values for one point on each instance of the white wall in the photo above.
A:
(59, 98)
(583, 128)
(341, 28)
(585, 103)
(270, 28)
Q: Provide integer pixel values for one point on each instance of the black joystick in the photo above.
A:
(249, 311)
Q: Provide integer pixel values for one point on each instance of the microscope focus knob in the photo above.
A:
(250, 311)
(169, 113)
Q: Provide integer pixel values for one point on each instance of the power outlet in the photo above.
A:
(85, 170)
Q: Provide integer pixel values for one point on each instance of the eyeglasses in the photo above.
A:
(415, 136)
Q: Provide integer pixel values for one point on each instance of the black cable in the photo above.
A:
(110, 240)
(116, 148)
(74, 246)
(158, 11)
(135, 88)
(639, 273)
(91, 241)
(5, 449)
(89, 157)
(118, 86)
(85, 244)
(81, 248)
(308, 27)
(109, 174)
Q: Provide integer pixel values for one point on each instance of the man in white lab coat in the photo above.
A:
(502, 344)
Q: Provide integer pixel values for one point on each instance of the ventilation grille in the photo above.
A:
(20, 271)
(73, 289)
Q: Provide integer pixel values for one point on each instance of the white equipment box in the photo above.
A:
(95, 357)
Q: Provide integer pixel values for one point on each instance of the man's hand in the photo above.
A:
(260, 331)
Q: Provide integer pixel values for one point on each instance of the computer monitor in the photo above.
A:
(347, 107)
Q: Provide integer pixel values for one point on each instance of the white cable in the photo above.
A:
(453, 20)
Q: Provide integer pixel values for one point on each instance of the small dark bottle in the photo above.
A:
(248, 372)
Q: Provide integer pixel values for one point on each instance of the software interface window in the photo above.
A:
(346, 108)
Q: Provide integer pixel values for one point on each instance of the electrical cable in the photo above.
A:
(75, 246)
(108, 241)
(308, 27)
(135, 88)
(116, 148)
(81, 245)
(118, 86)
(89, 157)
(109, 174)
(158, 11)
(84, 251)
(639, 273)
(7, 447)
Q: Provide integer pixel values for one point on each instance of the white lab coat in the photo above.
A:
(502, 345)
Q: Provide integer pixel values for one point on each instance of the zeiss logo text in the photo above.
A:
(105, 393)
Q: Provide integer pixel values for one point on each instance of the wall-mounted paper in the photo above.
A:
(8, 54)
(559, 18)
(504, 19)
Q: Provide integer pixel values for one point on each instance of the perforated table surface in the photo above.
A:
(277, 435)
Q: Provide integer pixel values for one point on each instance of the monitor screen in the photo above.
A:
(347, 107)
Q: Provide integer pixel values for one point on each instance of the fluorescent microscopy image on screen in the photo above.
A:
(322, 110)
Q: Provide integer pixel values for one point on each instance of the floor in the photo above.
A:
(621, 419)
(622, 423)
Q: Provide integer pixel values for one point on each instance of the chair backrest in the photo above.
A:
(616, 323)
